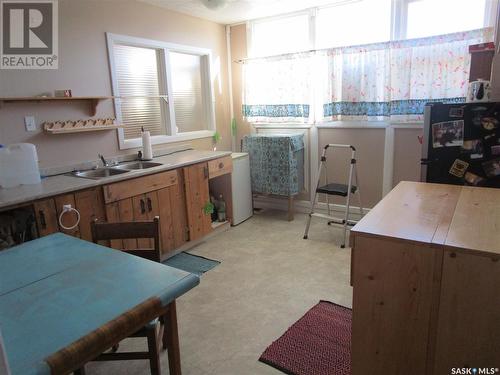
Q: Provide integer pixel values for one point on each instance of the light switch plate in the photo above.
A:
(29, 122)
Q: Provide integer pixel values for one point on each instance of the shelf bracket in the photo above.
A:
(93, 106)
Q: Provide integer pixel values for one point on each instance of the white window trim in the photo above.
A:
(166, 81)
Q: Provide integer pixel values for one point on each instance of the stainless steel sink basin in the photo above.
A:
(97, 174)
(137, 165)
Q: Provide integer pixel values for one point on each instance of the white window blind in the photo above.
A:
(187, 92)
(136, 71)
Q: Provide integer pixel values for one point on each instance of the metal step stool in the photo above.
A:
(337, 189)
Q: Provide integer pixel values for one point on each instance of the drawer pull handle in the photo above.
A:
(43, 222)
(143, 207)
(221, 165)
(150, 205)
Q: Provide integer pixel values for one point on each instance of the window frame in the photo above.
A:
(310, 13)
(400, 16)
(165, 81)
(398, 30)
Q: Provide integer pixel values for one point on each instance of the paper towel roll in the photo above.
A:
(147, 151)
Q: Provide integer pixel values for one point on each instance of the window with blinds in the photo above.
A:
(187, 92)
(164, 88)
(138, 81)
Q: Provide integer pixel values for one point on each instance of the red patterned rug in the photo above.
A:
(319, 343)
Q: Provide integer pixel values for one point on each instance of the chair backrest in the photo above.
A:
(130, 230)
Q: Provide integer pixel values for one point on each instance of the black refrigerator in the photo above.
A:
(461, 144)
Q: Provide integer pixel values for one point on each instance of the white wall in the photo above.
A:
(83, 67)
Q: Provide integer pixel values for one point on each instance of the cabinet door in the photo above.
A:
(121, 211)
(169, 204)
(178, 211)
(164, 211)
(90, 204)
(197, 196)
(395, 285)
(46, 217)
(142, 213)
(69, 218)
(468, 332)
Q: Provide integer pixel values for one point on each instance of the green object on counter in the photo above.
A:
(216, 137)
(233, 127)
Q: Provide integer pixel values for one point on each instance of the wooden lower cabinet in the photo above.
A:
(392, 298)
(90, 204)
(468, 332)
(46, 217)
(167, 202)
(178, 197)
(197, 197)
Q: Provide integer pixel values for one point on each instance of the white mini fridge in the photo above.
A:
(241, 188)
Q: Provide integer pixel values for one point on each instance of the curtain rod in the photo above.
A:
(429, 39)
(282, 55)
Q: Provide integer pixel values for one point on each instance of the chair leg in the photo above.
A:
(164, 341)
(171, 340)
(308, 224)
(154, 354)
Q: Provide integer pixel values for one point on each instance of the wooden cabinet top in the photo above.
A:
(459, 217)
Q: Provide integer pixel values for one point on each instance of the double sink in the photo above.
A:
(97, 174)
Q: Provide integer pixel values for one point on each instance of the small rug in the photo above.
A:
(191, 263)
(319, 343)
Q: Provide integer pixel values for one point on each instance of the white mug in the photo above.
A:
(479, 91)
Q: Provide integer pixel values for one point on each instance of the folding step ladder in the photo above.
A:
(338, 190)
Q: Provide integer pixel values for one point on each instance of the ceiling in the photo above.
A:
(238, 10)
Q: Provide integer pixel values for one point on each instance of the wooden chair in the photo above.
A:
(155, 329)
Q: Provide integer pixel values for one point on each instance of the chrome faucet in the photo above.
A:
(104, 162)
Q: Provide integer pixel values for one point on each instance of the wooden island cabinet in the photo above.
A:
(425, 271)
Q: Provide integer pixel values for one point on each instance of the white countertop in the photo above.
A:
(55, 185)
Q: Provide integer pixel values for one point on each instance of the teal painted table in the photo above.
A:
(57, 290)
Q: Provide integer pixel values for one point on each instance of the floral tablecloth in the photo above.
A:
(276, 163)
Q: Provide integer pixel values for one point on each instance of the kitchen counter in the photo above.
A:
(461, 218)
(60, 184)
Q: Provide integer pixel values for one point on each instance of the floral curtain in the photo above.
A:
(396, 79)
(391, 80)
(277, 89)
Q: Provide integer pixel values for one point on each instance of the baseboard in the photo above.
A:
(305, 206)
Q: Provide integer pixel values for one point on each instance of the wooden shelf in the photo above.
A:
(83, 129)
(92, 101)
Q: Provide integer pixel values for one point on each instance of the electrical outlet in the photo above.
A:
(29, 122)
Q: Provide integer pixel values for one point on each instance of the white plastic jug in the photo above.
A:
(19, 165)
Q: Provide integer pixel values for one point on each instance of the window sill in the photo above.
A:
(281, 126)
(162, 139)
(370, 125)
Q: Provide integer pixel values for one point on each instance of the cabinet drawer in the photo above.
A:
(220, 166)
(129, 188)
